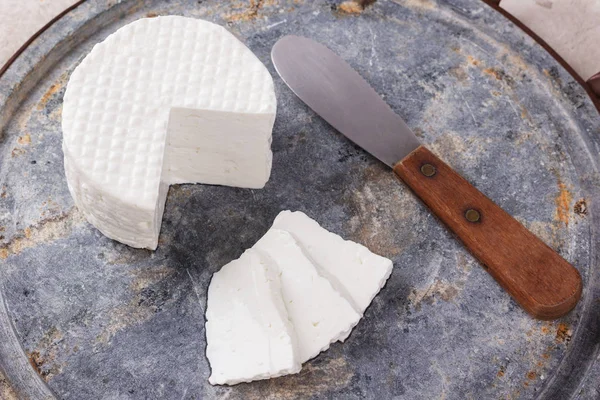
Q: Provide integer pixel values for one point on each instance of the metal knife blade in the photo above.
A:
(335, 91)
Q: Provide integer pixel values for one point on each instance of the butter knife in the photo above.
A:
(539, 279)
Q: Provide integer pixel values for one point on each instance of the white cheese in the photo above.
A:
(352, 269)
(319, 314)
(163, 100)
(248, 333)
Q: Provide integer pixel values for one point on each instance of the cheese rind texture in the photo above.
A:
(163, 100)
(319, 314)
(356, 272)
(248, 334)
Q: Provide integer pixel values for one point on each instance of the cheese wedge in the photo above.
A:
(163, 100)
(248, 333)
(319, 314)
(353, 270)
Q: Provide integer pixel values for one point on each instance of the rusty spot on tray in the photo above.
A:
(553, 75)
(531, 375)
(248, 14)
(36, 361)
(580, 207)
(552, 232)
(498, 74)
(24, 140)
(513, 61)
(449, 293)
(55, 88)
(473, 61)
(350, 7)
(545, 330)
(494, 73)
(545, 356)
(465, 263)
(151, 15)
(45, 231)
(56, 115)
(439, 289)
(563, 333)
(148, 300)
(456, 149)
(354, 6)
(146, 277)
(459, 73)
(17, 152)
(122, 317)
(128, 255)
(7, 392)
(378, 208)
(50, 208)
(501, 372)
(316, 378)
(563, 203)
(43, 357)
(422, 4)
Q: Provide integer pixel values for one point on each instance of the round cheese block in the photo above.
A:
(160, 101)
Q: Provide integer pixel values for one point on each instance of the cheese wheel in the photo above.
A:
(163, 100)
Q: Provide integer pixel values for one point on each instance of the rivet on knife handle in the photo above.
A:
(539, 279)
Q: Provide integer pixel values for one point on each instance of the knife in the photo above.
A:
(539, 279)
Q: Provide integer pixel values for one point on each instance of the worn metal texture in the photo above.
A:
(99, 320)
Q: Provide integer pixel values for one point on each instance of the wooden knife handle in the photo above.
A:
(540, 280)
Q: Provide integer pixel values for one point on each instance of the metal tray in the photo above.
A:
(86, 317)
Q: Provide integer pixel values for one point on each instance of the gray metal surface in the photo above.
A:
(335, 91)
(101, 320)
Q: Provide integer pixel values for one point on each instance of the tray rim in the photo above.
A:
(107, 8)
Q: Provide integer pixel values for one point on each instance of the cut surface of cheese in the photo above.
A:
(353, 270)
(163, 100)
(319, 314)
(248, 333)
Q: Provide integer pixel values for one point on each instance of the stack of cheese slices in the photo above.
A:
(299, 289)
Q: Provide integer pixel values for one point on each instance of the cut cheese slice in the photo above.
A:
(353, 270)
(248, 333)
(319, 314)
(163, 100)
